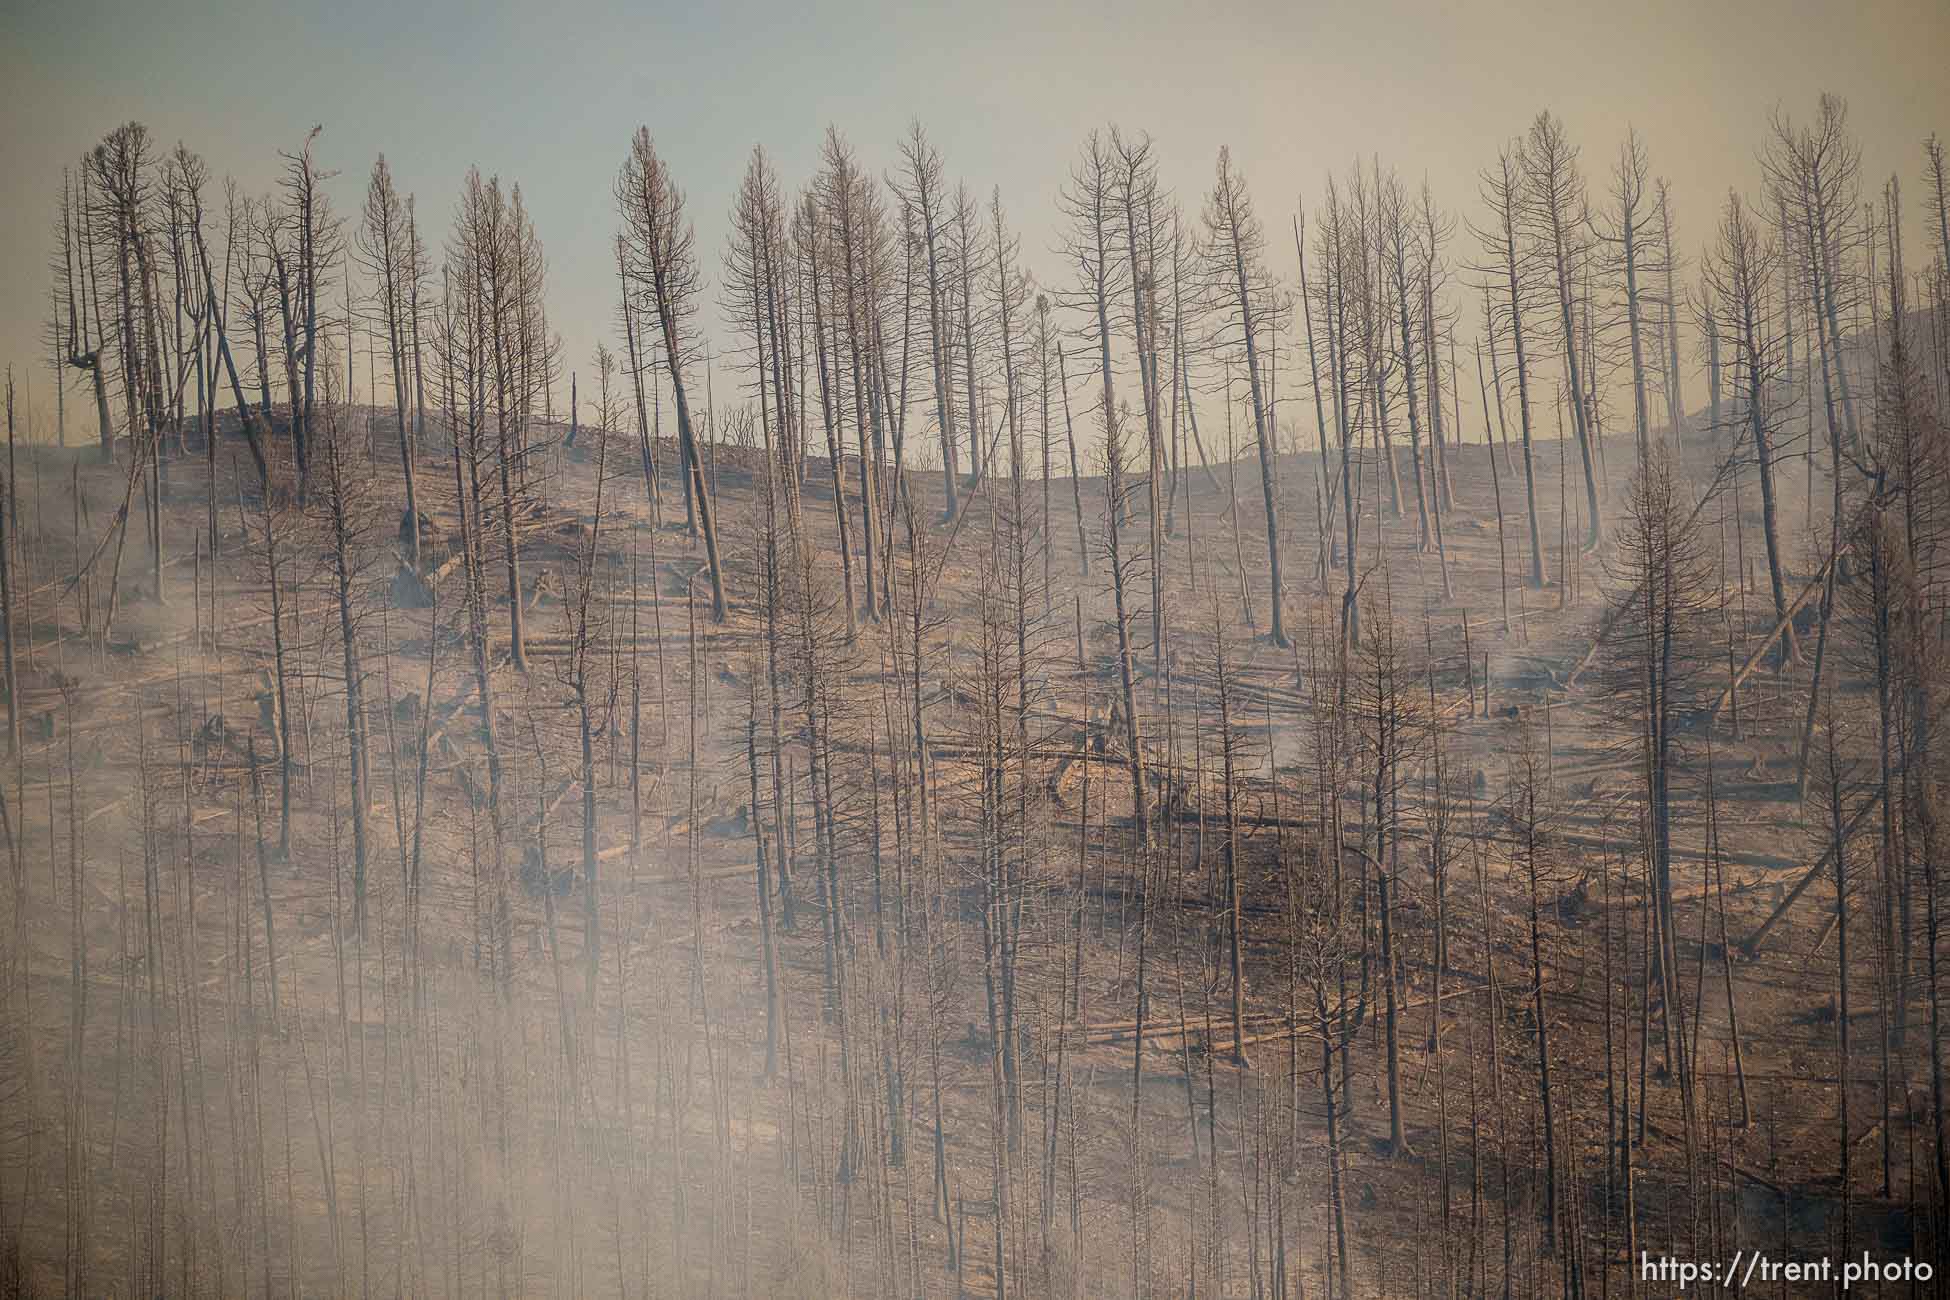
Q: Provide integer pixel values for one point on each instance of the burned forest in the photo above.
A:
(912, 741)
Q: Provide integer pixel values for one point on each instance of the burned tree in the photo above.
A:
(389, 251)
(661, 270)
(1738, 273)
(1241, 289)
(1552, 208)
(1629, 236)
(920, 188)
(1658, 668)
(1510, 275)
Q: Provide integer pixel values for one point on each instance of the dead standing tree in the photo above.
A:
(1659, 662)
(121, 167)
(1552, 207)
(1435, 229)
(1087, 202)
(1124, 563)
(846, 307)
(868, 240)
(486, 233)
(1327, 960)
(810, 241)
(589, 628)
(1738, 274)
(1062, 376)
(78, 299)
(1137, 203)
(1813, 174)
(1240, 287)
(1510, 274)
(1891, 636)
(1669, 315)
(1008, 301)
(759, 274)
(390, 258)
(971, 270)
(1329, 491)
(466, 345)
(661, 267)
(1333, 246)
(1909, 646)
(313, 235)
(1385, 703)
(9, 559)
(348, 517)
(1395, 238)
(523, 357)
(256, 431)
(1231, 743)
(920, 187)
(1529, 809)
(1628, 237)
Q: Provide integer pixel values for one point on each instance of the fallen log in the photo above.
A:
(1751, 945)
(1766, 643)
(1187, 1029)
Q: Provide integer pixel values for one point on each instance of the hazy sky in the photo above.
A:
(547, 94)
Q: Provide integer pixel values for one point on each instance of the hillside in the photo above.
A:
(999, 1029)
